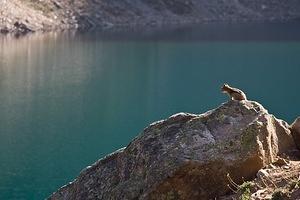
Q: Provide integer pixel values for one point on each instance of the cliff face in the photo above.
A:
(187, 156)
(63, 14)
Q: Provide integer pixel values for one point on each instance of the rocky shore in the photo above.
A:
(23, 16)
(237, 150)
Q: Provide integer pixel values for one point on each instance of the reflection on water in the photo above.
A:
(68, 99)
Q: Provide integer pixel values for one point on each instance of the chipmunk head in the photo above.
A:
(224, 87)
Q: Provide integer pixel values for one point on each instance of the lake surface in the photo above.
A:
(68, 99)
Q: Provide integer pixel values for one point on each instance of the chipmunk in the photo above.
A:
(233, 93)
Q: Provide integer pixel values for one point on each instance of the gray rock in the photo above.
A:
(186, 156)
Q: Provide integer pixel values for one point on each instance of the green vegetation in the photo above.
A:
(245, 190)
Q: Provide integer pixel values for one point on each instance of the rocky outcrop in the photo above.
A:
(187, 156)
(295, 129)
(84, 14)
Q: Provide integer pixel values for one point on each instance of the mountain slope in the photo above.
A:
(64, 14)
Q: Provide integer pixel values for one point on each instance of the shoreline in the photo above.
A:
(24, 30)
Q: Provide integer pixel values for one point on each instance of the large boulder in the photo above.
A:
(187, 156)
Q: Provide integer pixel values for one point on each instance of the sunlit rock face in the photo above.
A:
(187, 156)
(295, 129)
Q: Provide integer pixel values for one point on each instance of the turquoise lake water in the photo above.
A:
(68, 99)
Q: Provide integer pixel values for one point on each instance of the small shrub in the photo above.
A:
(245, 190)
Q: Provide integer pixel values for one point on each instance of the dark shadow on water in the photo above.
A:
(248, 31)
(213, 31)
